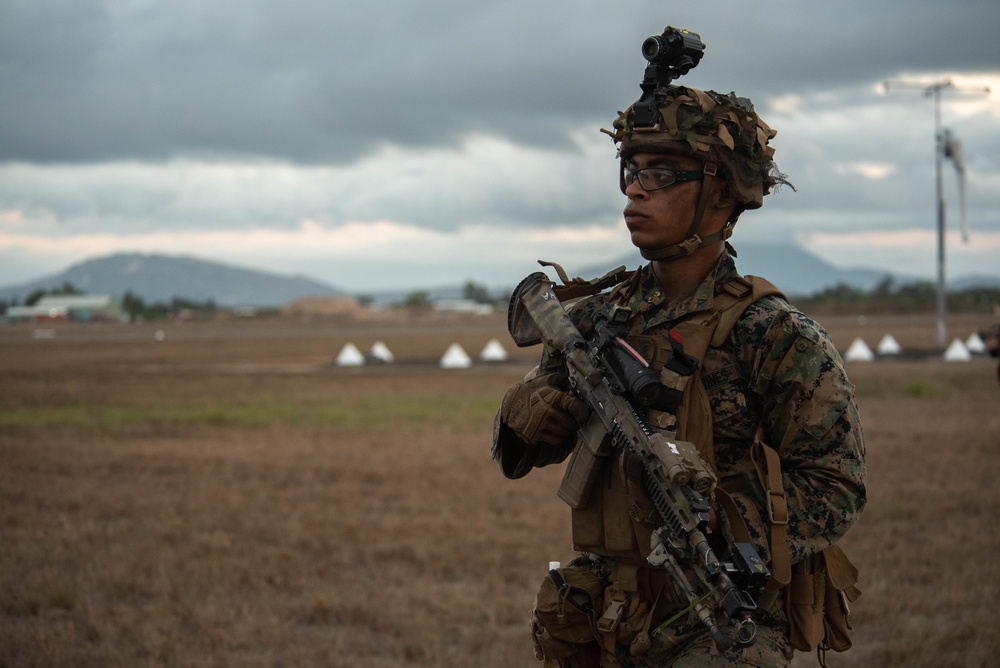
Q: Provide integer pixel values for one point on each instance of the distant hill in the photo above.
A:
(795, 271)
(160, 278)
(798, 272)
(974, 281)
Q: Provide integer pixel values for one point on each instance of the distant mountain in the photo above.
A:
(974, 281)
(798, 272)
(795, 271)
(160, 278)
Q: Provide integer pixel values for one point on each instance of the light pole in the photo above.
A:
(934, 90)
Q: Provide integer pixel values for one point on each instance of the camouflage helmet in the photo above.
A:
(718, 129)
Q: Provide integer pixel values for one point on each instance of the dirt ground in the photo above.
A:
(206, 494)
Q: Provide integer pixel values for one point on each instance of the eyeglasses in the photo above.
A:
(657, 178)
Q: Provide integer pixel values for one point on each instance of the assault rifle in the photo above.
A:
(611, 377)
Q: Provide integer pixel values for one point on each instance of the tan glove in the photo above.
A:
(541, 413)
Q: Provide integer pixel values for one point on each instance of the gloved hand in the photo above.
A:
(541, 413)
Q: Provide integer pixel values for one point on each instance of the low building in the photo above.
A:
(69, 308)
(463, 306)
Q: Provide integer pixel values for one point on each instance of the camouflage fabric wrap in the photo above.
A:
(716, 128)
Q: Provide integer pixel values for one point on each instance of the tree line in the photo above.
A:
(133, 305)
(888, 296)
(138, 310)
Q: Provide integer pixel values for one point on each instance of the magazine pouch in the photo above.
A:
(817, 601)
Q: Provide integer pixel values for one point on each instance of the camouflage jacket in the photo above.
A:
(778, 370)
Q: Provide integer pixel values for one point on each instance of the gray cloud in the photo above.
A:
(89, 80)
(449, 129)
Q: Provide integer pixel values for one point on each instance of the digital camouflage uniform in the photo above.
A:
(779, 371)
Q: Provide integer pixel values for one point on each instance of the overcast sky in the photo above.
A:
(393, 143)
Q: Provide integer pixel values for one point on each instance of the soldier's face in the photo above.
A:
(660, 218)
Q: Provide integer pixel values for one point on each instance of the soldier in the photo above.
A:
(991, 337)
(771, 381)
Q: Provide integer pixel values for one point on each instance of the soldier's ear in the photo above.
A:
(722, 198)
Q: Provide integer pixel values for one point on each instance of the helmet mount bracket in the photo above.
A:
(669, 56)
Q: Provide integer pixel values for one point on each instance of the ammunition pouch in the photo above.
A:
(817, 602)
(567, 607)
(593, 606)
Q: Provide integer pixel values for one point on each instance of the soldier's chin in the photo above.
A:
(639, 240)
(643, 244)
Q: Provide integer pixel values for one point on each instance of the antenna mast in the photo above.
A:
(934, 90)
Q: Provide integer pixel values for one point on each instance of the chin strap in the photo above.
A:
(694, 240)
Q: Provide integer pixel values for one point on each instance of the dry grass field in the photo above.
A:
(225, 496)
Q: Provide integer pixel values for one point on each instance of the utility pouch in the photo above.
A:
(592, 447)
(804, 599)
(567, 606)
(841, 578)
(817, 601)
